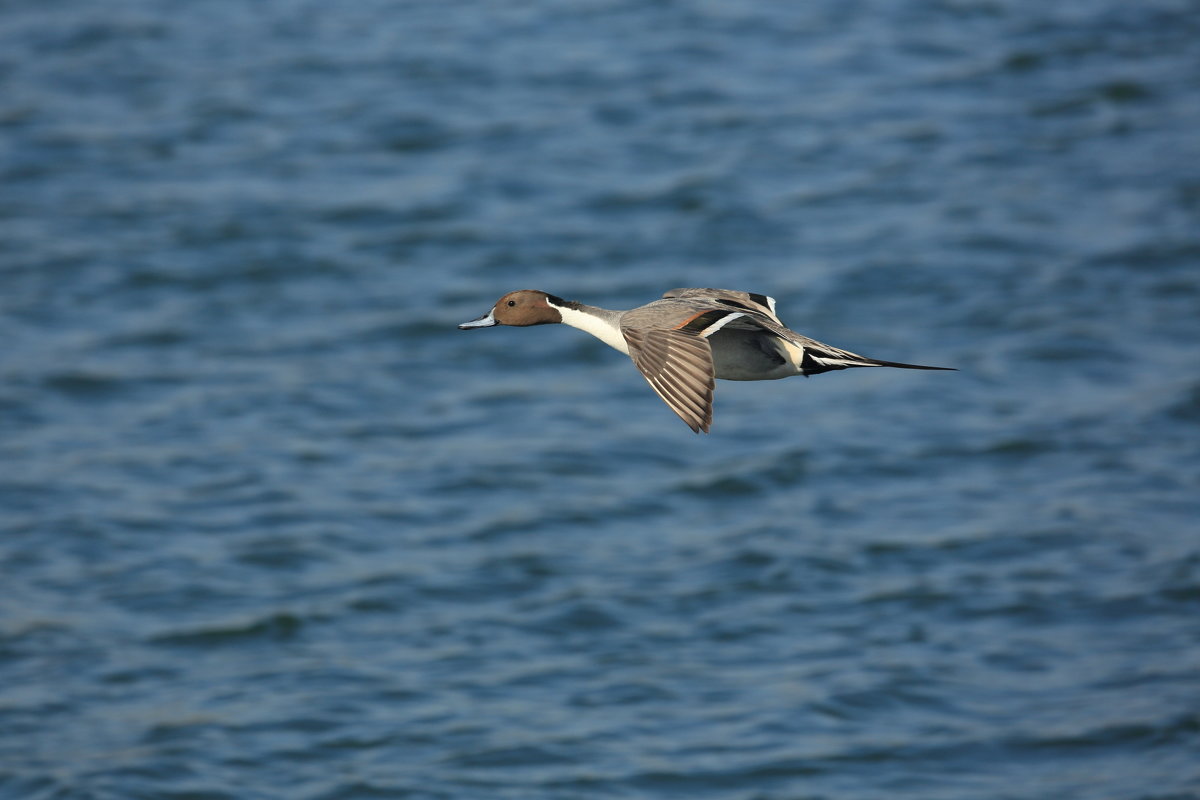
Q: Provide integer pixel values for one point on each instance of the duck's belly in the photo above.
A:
(751, 356)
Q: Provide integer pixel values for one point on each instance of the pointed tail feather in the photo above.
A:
(816, 364)
(873, 362)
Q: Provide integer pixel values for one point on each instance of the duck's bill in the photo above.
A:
(486, 321)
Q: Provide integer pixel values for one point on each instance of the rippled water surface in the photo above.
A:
(270, 526)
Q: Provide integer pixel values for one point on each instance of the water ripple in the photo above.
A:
(271, 526)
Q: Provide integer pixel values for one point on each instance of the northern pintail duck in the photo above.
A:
(684, 341)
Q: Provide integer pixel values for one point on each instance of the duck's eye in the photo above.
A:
(512, 303)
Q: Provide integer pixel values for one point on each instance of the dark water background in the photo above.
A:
(270, 527)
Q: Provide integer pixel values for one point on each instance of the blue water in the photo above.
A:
(271, 527)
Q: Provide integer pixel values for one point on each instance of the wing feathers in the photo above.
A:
(678, 366)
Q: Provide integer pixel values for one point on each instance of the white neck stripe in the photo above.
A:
(602, 329)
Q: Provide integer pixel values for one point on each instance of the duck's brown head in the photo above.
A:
(520, 308)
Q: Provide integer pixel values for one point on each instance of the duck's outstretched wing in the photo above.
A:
(678, 366)
(731, 299)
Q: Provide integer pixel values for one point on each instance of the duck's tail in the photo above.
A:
(818, 361)
(874, 362)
